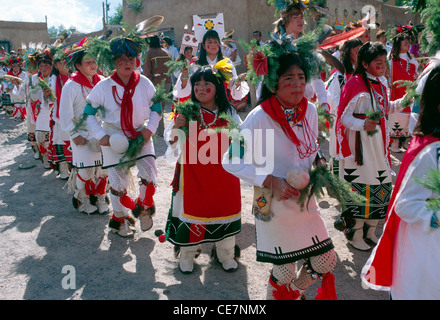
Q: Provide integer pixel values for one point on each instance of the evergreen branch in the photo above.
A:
(373, 115)
(161, 94)
(321, 179)
(432, 182)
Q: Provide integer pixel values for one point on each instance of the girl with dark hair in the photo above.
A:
(42, 105)
(206, 201)
(285, 126)
(210, 54)
(184, 93)
(406, 259)
(86, 155)
(335, 84)
(362, 142)
(403, 67)
(61, 156)
(17, 93)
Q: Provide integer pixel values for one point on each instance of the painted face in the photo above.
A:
(295, 24)
(88, 67)
(61, 67)
(212, 46)
(377, 67)
(353, 54)
(125, 65)
(45, 68)
(291, 86)
(188, 54)
(366, 36)
(404, 45)
(204, 92)
(16, 68)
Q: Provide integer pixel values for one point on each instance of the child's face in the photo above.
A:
(204, 91)
(45, 68)
(405, 45)
(188, 54)
(88, 66)
(212, 46)
(377, 67)
(353, 54)
(125, 65)
(291, 86)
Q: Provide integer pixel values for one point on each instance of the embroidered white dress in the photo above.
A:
(72, 103)
(143, 116)
(291, 233)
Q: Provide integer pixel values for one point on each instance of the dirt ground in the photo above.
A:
(51, 251)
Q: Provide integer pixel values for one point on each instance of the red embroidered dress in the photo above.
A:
(206, 202)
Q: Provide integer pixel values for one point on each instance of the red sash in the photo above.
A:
(81, 79)
(399, 73)
(127, 103)
(273, 108)
(352, 88)
(61, 81)
(209, 192)
(381, 268)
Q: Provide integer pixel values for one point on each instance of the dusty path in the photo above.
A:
(50, 251)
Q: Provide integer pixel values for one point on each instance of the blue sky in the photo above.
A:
(85, 15)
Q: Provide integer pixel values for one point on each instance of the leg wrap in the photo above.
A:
(119, 182)
(315, 268)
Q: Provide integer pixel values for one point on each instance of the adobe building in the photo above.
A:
(14, 33)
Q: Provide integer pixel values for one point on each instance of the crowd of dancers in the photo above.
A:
(91, 113)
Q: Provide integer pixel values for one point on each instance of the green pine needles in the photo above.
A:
(432, 182)
(322, 179)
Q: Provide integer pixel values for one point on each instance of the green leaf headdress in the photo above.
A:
(263, 60)
(131, 43)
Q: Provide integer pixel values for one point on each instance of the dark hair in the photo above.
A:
(429, 114)
(380, 33)
(182, 55)
(367, 53)
(168, 40)
(345, 53)
(154, 42)
(286, 15)
(285, 61)
(78, 58)
(257, 31)
(397, 42)
(210, 34)
(220, 94)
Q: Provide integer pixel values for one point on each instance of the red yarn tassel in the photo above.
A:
(283, 292)
(89, 185)
(127, 202)
(327, 290)
(102, 183)
(149, 192)
(43, 150)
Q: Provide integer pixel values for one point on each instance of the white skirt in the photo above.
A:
(291, 234)
(112, 158)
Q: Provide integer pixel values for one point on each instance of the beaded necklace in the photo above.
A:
(202, 124)
(383, 110)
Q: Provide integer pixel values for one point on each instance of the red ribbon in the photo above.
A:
(273, 108)
(127, 104)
